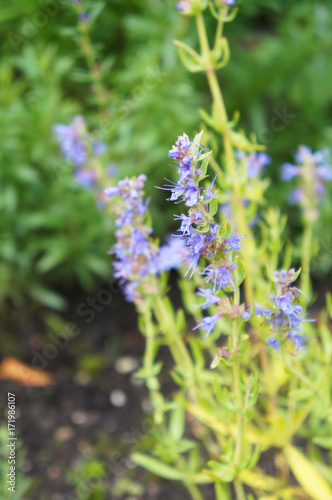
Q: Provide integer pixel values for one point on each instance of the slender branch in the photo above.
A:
(219, 29)
(237, 387)
(239, 490)
(176, 344)
(306, 252)
(88, 50)
(249, 251)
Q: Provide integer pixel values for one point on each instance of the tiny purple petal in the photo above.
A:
(208, 323)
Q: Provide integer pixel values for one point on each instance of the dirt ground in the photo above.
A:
(97, 411)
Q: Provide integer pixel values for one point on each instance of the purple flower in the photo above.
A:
(304, 154)
(274, 343)
(130, 291)
(182, 145)
(256, 162)
(111, 191)
(191, 193)
(289, 171)
(312, 172)
(284, 316)
(176, 188)
(284, 302)
(263, 311)
(208, 323)
(139, 244)
(213, 231)
(192, 262)
(234, 242)
(209, 296)
(99, 148)
(297, 339)
(185, 169)
(196, 242)
(123, 268)
(184, 6)
(133, 248)
(169, 256)
(220, 276)
(324, 172)
(137, 255)
(85, 177)
(84, 16)
(209, 193)
(246, 314)
(71, 138)
(296, 196)
(186, 224)
(200, 231)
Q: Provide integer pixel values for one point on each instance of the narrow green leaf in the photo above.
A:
(156, 467)
(207, 118)
(213, 207)
(177, 420)
(47, 297)
(300, 394)
(306, 474)
(204, 166)
(324, 442)
(222, 491)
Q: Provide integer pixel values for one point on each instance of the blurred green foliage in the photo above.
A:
(22, 483)
(52, 234)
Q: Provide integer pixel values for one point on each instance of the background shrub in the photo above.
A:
(52, 234)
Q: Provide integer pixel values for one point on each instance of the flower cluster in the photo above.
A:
(313, 171)
(137, 255)
(81, 149)
(284, 313)
(224, 308)
(202, 236)
(255, 163)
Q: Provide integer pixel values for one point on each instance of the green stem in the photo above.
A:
(148, 355)
(302, 377)
(148, 358)
(239, 490)
(249, 251)
(176, 344)
(216, 167)
(240, 494)
(194, 491)
(291, 411)
(191, 487)
(306, 253)
(219, 29)
(101, 94)
(237, 387)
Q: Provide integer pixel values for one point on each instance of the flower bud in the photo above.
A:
(191, 7)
